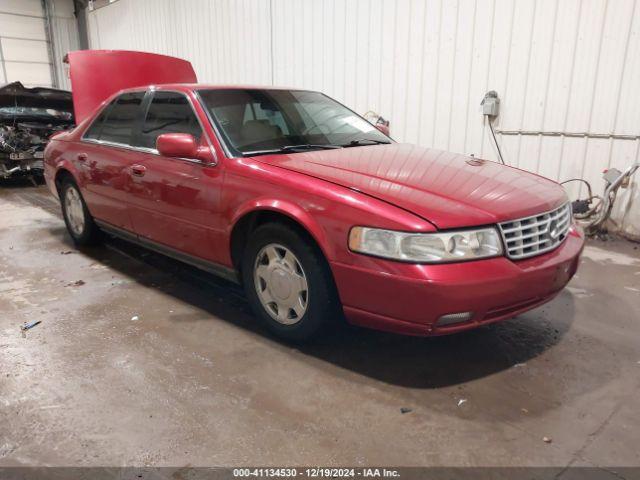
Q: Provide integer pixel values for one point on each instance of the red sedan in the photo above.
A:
(317, 213)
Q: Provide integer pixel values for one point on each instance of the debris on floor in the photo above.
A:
(580, 292)
(77, 283)
(66, 252)
(462, 401)
(28, 326)
(519, 365)
(547, 439)
(160, 365)
(135, 318)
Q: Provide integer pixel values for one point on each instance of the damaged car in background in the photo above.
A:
(28, 117)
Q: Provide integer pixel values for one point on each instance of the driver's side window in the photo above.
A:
(169, 112)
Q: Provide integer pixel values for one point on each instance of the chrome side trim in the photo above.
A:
(150, 151)
(205, 265)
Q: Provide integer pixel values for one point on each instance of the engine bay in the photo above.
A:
(28, 117)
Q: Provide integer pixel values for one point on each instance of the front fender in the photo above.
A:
(291, 210)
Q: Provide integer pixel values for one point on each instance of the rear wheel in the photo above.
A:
(288, 283)
(80, 224)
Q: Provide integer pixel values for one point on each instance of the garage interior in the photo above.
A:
(139, 360)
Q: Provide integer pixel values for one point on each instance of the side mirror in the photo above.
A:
(383, 128)
(180, 145)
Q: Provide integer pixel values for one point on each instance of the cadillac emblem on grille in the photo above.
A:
(554, 231)
(530, 236)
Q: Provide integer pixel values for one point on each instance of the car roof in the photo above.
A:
(209, 86)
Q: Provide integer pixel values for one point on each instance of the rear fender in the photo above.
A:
(66, 165)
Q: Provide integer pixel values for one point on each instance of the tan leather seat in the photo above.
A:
(256, 131)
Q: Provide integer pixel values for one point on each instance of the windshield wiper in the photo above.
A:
(307, 146)
(293, 148)
(366, 141)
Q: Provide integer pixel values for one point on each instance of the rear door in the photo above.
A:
(105, 158)
(176, 201)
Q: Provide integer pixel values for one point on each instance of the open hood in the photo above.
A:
(448, 189)
(98, 74)
(17, 95)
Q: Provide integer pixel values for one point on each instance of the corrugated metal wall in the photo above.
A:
(24, 50)
(570, 66)
(64, 37)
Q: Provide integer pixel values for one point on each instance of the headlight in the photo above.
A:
(426, 247)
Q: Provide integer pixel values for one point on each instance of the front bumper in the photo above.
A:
(409, 298)
(25, 165)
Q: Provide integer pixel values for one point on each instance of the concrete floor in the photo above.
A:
(195, 382)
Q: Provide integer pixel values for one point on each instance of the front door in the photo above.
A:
(175, 202)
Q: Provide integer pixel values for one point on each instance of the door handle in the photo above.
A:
(82, 157)
(138, 170)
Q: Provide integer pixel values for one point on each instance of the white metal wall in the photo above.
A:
(64, 37)
(569, 66)
(23, 43)
(25, 53)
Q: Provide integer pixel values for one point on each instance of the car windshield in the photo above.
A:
(255, 121)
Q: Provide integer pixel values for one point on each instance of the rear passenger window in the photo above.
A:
(96, 127)
(120, 120)
(169, 112)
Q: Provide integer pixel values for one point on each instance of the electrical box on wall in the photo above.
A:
(491, 104)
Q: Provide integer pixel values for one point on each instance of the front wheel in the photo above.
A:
(80, 224)
(288, 283)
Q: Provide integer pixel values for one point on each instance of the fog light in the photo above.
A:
(452, 318)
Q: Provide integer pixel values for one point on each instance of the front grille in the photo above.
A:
(530, 236)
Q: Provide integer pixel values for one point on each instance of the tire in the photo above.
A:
(79, 222)
(292, 315)
(38, 178)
